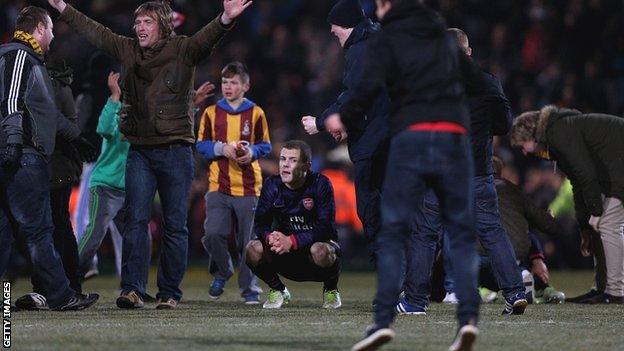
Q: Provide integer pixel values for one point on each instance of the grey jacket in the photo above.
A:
(27, 109)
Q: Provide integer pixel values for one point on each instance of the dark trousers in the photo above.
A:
(297, 266)
(63, 235)
(25, 199)
(419, 161)
(489, 231)
(368, 179)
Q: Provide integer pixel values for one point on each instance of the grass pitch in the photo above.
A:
(227, 324)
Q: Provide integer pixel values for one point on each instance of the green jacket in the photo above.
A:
(589, 149)
(157, 83)
(110, 167)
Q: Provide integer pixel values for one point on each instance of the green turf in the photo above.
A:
(227, 324)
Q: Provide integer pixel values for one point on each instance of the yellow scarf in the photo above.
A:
(28, 38)
(544, 154)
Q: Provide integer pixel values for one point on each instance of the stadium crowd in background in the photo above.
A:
(562, 52)
(566, 53)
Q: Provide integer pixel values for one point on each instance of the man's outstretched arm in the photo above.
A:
(116, 45)
(203, 42)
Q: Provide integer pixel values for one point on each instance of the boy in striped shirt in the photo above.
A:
(233, 135)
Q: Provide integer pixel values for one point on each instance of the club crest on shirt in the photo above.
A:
(308, 203)
(246, 129)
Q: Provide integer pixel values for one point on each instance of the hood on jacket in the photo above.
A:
(361, 32)
(246, 105)
(547, 116)
(415, 18)
(60, 71)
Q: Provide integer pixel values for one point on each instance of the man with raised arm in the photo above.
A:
(158, 69)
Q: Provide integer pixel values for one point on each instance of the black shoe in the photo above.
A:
(78, 302)
(32, 302)
(588, 295)
(603, 299)
(375, 337)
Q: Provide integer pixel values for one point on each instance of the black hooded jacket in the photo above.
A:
(490, 114)
(65, 165)
(368, 133)
(417, 60)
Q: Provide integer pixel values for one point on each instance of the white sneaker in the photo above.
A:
(331, 299)
(450, 298)
(465, 338)
(276, 298)
(375, 337)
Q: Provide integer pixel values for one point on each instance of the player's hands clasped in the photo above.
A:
(279, 243)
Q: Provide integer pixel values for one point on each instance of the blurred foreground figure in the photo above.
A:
(415, 57)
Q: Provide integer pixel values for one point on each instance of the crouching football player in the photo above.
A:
(295, 229)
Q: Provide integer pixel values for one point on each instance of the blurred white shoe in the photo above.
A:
(450, 298)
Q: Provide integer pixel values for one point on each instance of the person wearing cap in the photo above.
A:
(368, 136)
(418, 62)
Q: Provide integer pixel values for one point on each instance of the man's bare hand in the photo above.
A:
(281, 243)
(539, 269)
(245, 159)
(272, 238)
(205, 91)
(309, 124)
(595, 223)
(59, 5)
(113, 85)
(333, 123)
(586, 246)
(229, 151)
(232, 9)
(339, 135)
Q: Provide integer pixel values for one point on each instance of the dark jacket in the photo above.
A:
(490, 114)
(366, 134)
(65, 165)
(27, 108)
(589, 149)
(417, 60)
(157, 83)
(518, 215)
(308, 213)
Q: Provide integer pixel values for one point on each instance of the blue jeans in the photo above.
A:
(25, 198)
(170, 171)
(493, 238)
(419, 161)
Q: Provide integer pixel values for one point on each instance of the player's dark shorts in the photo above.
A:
(299, 266)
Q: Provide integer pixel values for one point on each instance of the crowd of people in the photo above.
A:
(542, 52)
(265, 204)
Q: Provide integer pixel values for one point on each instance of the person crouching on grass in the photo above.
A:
(295, 225)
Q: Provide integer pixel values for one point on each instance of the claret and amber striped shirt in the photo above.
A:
(221, 124)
